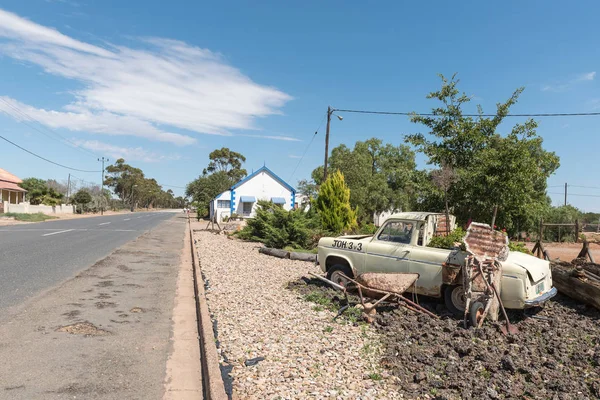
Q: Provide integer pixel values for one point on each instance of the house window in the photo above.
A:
(223, 204)
(247, 208)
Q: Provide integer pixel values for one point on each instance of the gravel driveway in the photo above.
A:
(306, 355)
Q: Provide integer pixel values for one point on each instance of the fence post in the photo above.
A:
(576, 231)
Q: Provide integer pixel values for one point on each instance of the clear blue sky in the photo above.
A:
(163, 84)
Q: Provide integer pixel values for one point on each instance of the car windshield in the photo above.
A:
(397, 232)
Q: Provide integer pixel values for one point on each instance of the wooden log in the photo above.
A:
(593, 268)
(274, 252)
(569, 285)
(294, 255)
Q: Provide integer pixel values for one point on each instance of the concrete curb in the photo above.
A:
(183, 378)
(214, 388)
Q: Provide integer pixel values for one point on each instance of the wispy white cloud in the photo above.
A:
(128, 153)
(162, 82)
(272, 137)
(562, 86)
(85, 120)
(588, 76)
(294, 156)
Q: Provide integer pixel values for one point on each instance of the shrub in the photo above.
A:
(518, 246)
(448, 242)
(276, 227)
(367, 229)
(333, 205)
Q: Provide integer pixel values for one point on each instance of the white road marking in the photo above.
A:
(126, 219)
(104, 223)
(56, 233)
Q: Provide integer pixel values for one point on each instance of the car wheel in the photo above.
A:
(454, 297)
(338, 274)
(476, 313)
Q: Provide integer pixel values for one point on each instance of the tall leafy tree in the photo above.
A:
(38, 192)
(227, 161)
(380, 176)
(333, 205)
(490, 169)
(133, 187)
(223, 171)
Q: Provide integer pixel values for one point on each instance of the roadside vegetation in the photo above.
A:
(129, 184)
(474, 167)
(38, 217)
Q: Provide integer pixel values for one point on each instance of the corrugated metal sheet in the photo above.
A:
(484, 242)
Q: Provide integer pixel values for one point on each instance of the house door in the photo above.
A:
(247, 209)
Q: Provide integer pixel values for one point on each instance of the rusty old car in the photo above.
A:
(400, 245)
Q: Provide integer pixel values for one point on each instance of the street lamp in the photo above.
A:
(132, 186)
(329, 114)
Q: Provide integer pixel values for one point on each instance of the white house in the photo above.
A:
(242, 198)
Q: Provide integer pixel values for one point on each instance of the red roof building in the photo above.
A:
(10, 190)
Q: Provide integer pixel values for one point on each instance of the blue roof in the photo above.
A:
(278, 200)
(247, 199)
(268, 171)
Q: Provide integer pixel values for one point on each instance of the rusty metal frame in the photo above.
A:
(385, 296)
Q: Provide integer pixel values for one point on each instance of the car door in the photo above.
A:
(390, 249)
(427, 262)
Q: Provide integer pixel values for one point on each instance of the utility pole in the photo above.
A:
(565, 193)
(329, 112)
(68, 188)
(102, 185)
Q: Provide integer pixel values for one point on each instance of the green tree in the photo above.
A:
(38, 192)
(380, 176)
(134, 189)
(333, 205)
(489, 169)
(223, 171)
(308, 188)
(122, 178)
(227, 161)
(82, 198)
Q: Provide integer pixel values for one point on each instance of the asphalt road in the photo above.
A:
(37, 257)
(105, 331)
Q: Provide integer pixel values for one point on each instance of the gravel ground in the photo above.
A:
(306, 355)
(556, 355)
(260, 304)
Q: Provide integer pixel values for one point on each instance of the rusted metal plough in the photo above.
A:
(379, 287)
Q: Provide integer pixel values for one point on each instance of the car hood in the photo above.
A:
(355, 237)
(536, 267)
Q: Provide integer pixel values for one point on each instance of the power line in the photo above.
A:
(585, 187)
(468, 115)
(84, 181)
(577, 194)
(45, 159)
(29, 117)
(307, 147)
(171, 186)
